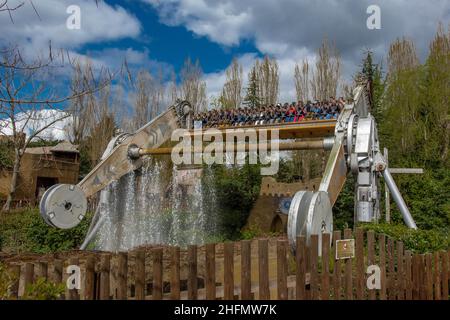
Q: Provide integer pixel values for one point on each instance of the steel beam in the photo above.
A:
(409, 221)
(282, 146)
(304, 129)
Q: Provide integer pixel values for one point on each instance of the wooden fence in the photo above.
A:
(250, 269)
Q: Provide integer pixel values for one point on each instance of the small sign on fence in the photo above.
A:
(345, 249)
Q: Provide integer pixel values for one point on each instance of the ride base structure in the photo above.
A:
(352, 140)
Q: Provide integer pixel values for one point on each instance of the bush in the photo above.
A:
(6, 154)
(237, 189)
(7, 279)
(427, 198)
(418, 241)
(343, 216)
(25, 231)
(250, 233)
(43, 290)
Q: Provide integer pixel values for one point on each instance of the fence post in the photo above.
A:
(300, 257)
(408, 275)
(423, 278)
(89, 278)
(325, 288)
(371, 258)
(42, 270)
(139, 274)
(429, 276)
(28, 277)
(391, 266)
(57, 274)
(314, 276)
(73, 293)
(157, 274)
(308, 292)
(382, 254)
(282, 270)
(228, 271)
(175, 273)
(360, 274)
(210, 262)
(400, 272)
(444, 275)
(15, 270)
(436, 276)
(122, 272)
(192, 273)
(348, 270)
(246, 270)
(264, 292)
(416, 277)
(105, 267)
(337, 268)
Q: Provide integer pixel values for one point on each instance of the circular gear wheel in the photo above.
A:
(296, 217)
(319, 218)
(63, 206)
(310, 213)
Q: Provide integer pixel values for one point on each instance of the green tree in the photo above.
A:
(252, 98)
(434, 111)
(237, 189)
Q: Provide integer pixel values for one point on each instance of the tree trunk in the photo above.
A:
(13, 184)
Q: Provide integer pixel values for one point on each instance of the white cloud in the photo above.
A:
(34, 32)
(221, 21)
(278, 27)
(290, 30)
(32, 121)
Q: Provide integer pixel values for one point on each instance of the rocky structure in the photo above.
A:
(269, 213)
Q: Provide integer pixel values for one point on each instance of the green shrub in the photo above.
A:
(418, 241)
(6, 154)
(25, 231)
(236, 190)
(43, 290)
(7, 279)
(344, 207)
(250, 233)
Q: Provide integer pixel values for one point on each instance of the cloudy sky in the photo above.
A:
(153, 33)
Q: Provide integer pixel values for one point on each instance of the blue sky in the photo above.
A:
(154, 34)
(172, 44)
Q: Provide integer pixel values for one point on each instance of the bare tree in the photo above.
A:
(102, 126)
(81, 109)
(232, 89)
(402, 56)
(157, 95)
(24, 95)
(326, 76)
(301, 79)
(5, 7)
(172, 92)
(347, 90)
(193, 89)
(148, 98)
(268, 78)
(142, 112)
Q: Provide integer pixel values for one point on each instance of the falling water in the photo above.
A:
(157, 205)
